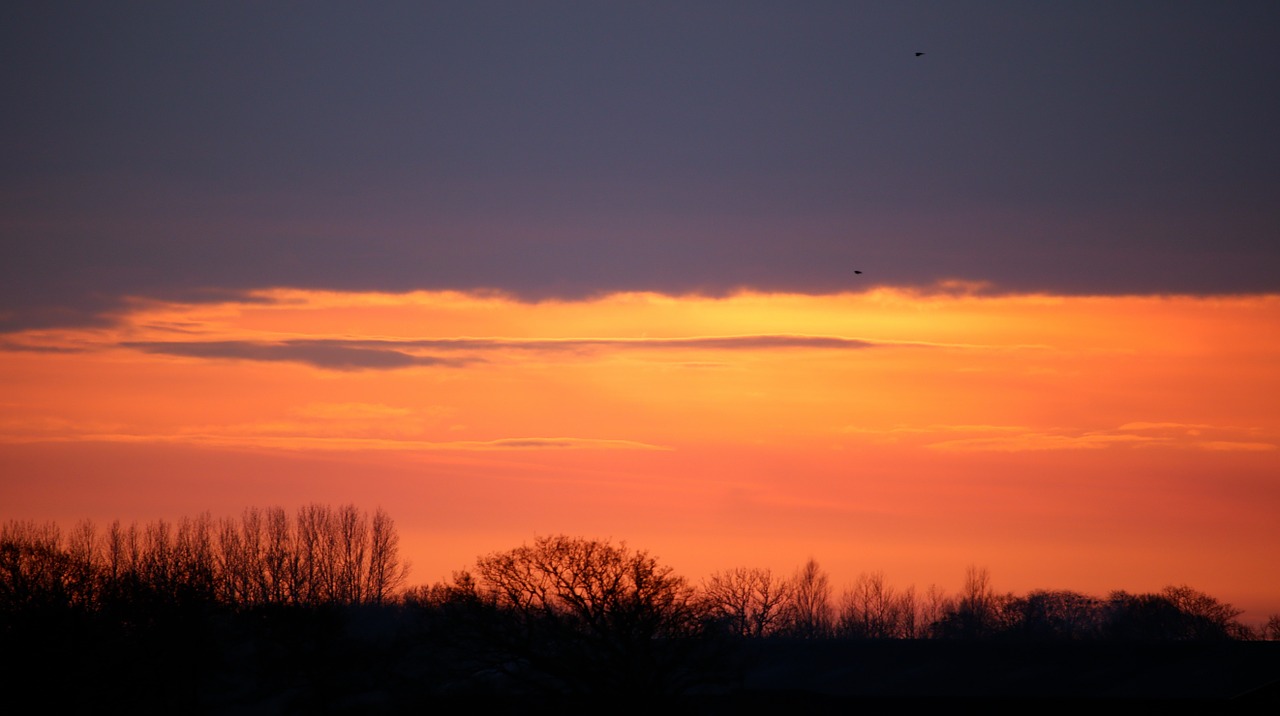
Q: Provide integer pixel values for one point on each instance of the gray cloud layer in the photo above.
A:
(578, 344)
(567, 149)
(331, 356)
(389, 355)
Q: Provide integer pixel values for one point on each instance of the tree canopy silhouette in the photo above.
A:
(589, 615)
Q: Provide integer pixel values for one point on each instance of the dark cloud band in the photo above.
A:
(320, 355)
(334, 354)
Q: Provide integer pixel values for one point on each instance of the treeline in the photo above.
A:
(755, 603)
(570, 615)
(562, 576)
(313, 607)
(317, 556)
(344, 556)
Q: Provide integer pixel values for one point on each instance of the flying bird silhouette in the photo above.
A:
(919, 53)
(856, 271)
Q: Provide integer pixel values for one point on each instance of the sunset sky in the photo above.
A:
(512, 269)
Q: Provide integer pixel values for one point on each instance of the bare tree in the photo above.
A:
(1057, 615)
(85, 554)
(1206, 617)
(871, 609)
(590, 614)
(116, 552)
(311, 576)
(909, 626)
(194, 565)
(241, 558)
(600, 585)
(326, 556)
(809, 609)
(752, 602)
(387, 573)
(351, 529)
(133, 546)
(280, 558)
(33, 568)
(157, 569)
(123, 556)
(1271, 629)
(233, 587)
(933, 607)
(975, 611)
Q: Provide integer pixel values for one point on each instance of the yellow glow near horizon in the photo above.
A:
(1075, 439)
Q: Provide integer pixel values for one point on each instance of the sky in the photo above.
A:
(740, 283)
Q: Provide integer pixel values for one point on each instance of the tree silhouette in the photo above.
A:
(1057, 616)
(809, 608)
(749, 602)
(588, 615)
(307, 612)
(976, 613)
(387, 574)
(34, 570)
(1176, 614)
(324, 556)
(1271, 629)
(872, 609)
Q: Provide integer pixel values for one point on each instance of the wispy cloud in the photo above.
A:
(553, 443)
(1136, 434)
(380, 354)
(933, 429)
(1233, 446)
(1023, 442)
(352, 411)
(335, 443)
(737, 342)
(1139, 426)
(1218, 438)
(36, 347)
(1018, 438)
(330, 355)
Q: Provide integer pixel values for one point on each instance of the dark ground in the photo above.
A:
(329, 664)
(958, 669)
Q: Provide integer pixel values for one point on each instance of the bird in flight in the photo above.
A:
(856, 271)
(919, 53)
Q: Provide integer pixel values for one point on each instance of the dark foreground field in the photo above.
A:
(333, 663)
(982, 670)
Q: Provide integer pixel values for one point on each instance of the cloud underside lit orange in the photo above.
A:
(1078, 442)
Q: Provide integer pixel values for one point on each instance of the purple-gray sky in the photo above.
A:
(567, 148)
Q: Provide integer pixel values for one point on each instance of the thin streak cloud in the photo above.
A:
(740, 342)
(319, 354)
(26, 347)
(1040, 441)
(1096, 440)
(311, 442)
(359, 354)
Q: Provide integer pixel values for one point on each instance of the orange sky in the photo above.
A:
(1090, 443)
